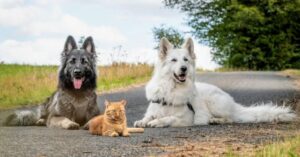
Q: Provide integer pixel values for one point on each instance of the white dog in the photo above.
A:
(177, 101)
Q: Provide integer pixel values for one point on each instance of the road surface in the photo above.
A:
(246, 87)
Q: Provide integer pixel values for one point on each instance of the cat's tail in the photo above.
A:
(22, 118)
(135, 130)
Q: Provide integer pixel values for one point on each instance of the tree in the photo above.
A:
(253, 34)
(173, 35)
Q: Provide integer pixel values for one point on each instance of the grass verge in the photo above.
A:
(122, 75)
(292, 72)
(226, 69)
(290, 147)
(29, 85)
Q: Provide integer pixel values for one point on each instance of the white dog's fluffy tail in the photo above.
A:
(22, 118)
(263, 113)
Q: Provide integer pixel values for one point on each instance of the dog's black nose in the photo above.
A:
(77, 72)
(183, 68)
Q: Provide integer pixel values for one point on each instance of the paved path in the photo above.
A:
(246, 87)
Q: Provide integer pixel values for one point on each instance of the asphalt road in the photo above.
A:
(246, 88)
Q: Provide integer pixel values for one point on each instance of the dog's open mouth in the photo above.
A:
(181, 77)
(77, 82)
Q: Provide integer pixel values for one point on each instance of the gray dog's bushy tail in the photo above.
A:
(22, 118)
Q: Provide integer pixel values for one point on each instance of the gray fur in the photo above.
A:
(22, 118)
(68, 107)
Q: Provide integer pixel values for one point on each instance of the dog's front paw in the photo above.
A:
(71, 126)
(156, 124)
(41, 122)
(219, 121)
(140, 124)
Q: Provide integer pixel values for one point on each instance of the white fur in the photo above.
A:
(208, 101)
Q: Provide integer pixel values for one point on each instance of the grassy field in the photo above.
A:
(292, 72)
(28, 85)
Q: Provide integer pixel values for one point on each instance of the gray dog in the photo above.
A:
(74, 102)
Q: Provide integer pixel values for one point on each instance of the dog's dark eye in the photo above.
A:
(174, 60)
(73, 61)
(185, 59)
(83, 61)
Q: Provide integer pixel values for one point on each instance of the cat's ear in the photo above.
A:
(124, 102)
(107, 103)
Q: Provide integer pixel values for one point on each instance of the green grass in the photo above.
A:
(122, 75)
(30, 85)
(25, 84)
(288, 148)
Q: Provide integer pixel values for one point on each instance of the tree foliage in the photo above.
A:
(173, 35)
(253, 34)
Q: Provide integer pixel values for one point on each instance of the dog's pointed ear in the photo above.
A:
(88, 45)
(189, 45)
(164, 47)
(70, 44)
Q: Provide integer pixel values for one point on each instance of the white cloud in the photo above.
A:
(18, 16)
(46, 24)
(67, 24)
(40, 51)
(10, 3)
(144, 10)
(204, 57)
(146, 55)
(35, 20)
(47, 51)
(135, 55)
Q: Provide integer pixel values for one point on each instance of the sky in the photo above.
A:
(34, 31)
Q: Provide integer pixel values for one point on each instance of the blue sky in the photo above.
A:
(33, 31)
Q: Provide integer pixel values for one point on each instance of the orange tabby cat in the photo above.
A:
(112, 122)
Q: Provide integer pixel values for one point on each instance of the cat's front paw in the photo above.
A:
(140, 124)
(114, 134)
(156, 123)
(126, 134)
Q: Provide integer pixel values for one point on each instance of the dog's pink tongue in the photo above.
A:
(77, 83)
